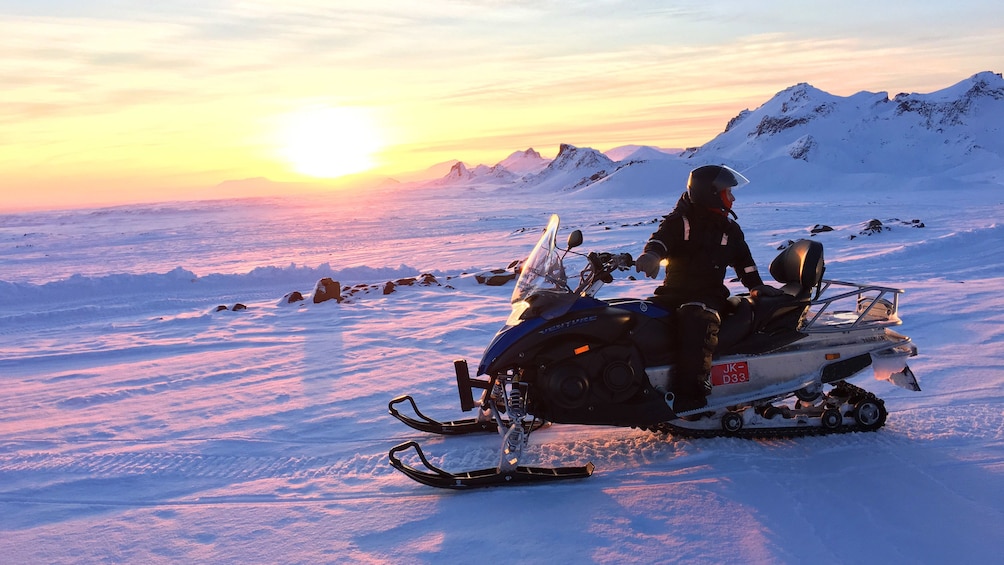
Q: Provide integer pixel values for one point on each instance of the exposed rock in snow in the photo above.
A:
(327, 289)
(802, 147)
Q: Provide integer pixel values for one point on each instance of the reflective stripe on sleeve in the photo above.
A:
(661, 244)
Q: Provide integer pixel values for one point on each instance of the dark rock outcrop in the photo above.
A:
(327, 289)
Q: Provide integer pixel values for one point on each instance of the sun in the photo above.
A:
(329, 142)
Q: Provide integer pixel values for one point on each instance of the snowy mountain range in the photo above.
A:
(870, 131)
(511, 169)
(951, 135)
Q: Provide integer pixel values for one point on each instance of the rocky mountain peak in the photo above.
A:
(458, 171)
(951, 106)
(524, 162)
(572, 157)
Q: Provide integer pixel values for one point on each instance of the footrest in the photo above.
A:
(427, 424)
(452, 428)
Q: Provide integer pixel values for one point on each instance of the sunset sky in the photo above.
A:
(106, 102)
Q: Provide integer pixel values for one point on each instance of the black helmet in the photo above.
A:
(706, 184)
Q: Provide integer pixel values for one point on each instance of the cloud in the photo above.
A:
(453, 78)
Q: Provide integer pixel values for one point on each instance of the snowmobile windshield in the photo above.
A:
(543, 271)
(542, 288)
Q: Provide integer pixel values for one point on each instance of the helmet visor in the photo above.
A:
(729, 177)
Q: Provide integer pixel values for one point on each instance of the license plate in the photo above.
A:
(730, 373)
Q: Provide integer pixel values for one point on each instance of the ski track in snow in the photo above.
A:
(136, 415)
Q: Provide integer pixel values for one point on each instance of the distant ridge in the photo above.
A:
(954, 132)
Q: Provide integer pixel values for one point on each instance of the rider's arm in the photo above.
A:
(743, 262)
(662, 240)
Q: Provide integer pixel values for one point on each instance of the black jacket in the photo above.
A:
(700, 244)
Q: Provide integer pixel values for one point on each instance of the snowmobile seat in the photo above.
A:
(767, 322)
(800, 269)
(737, 322)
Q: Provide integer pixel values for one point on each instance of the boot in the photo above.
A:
(697, 327)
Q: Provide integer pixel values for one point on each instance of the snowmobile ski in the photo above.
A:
(495, 476)
(454, 427)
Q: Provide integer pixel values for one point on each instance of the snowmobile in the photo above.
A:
(565, 356)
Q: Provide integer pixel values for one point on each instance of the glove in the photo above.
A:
(648, 263)
(765, 290)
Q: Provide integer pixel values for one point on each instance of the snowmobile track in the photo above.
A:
(847, 389)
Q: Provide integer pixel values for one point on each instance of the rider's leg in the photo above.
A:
(697, 327)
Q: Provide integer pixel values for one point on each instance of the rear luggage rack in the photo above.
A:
(873, 305)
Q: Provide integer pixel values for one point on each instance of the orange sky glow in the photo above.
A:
(111, 103)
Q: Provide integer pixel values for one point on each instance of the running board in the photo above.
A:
(436, 477)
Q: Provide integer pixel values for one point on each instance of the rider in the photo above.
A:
(700, 240)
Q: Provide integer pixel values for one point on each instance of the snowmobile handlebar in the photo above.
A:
(600, 269)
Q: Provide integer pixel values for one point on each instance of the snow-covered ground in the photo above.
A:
(139, 424)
